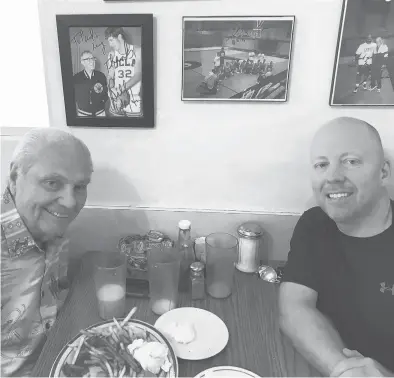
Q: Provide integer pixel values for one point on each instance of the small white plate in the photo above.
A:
(226, 371)
(211, 333)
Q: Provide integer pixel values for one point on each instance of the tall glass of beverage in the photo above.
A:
(163, 272)
(110, 281)
(222, 251)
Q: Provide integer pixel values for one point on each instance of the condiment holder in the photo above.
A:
(249, 238)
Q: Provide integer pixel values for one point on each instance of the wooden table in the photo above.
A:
(250, 314)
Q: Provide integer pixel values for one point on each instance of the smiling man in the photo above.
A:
(337, 296)
(47, 188)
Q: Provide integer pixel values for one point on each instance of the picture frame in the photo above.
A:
(107, 69)
(236, 58)
(363, 73)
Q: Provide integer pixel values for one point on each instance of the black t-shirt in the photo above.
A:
(354, 279)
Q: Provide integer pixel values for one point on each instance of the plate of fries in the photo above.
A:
(118, 348)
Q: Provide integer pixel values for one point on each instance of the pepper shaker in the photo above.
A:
(249, 235)
(197, 280)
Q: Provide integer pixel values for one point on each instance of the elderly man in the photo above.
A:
(91, 91)
(47, 188)
(337, 296)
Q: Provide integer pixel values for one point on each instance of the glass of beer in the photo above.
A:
(110, 281)
(163, 272)
(222, 250)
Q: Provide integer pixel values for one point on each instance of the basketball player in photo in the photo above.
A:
(363, 58)
(378, 61)
(217, 61)
(222, 55)
(124, 74)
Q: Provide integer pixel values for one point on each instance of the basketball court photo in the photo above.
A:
(236, 58)
(364, 64)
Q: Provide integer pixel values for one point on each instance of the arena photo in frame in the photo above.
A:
(237, 58)
(107, 69)
(363, 72)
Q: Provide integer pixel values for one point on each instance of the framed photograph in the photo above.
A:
(236, 58)
(107, 69)
(364, 63)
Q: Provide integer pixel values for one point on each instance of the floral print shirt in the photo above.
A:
(31, 293)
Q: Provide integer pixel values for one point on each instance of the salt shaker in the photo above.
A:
(249, 235)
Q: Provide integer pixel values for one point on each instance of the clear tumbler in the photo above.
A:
(110, 281)
(163, 273)
(222, 253)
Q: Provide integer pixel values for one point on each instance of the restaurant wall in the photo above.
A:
(208, 158)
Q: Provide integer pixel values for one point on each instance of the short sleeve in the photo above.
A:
(302, 266)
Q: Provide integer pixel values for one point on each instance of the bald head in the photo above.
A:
(351, 134)
(349, 170)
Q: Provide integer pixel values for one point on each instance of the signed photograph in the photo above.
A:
(237, 58)
(107, 69)
(364, 65)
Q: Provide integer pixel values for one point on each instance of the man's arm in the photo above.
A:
(137, 69)
(111, 71)
(311, 332)
(357, 54)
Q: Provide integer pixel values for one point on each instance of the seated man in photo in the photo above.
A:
(47, 188)
(242, 65)
(227, 70)
(336, 298)
(248, 66)
(210, 84)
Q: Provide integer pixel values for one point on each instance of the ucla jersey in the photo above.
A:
(365, 52)
(124, 66)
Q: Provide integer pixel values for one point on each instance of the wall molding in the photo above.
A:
(194, 210)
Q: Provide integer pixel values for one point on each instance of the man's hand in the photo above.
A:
(356, 365)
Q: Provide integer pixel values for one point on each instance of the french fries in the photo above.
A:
(107, 350)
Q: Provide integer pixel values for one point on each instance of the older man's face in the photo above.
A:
(52, 193)
(88, 61)
(347, 172)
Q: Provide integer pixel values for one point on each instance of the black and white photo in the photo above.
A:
(364, 64)
(237, 58)
(107, 69)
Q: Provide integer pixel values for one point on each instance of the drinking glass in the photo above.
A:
(110, 281)
(221, 251)
(163, 273)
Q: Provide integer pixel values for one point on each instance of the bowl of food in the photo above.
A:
(119, 348)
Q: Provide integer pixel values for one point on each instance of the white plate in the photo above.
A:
(67, 353)
(211, 332)
(226, 371)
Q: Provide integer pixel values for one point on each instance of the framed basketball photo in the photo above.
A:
(237, 58)
(364, 63)
(107, 69)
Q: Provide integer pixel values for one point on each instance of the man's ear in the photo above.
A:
(386, 170)
(14, 172)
